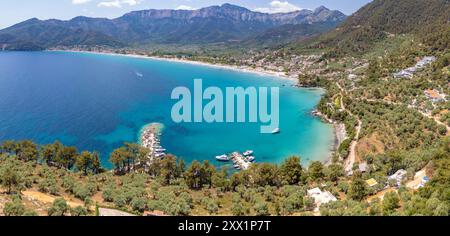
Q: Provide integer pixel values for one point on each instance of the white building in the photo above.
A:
(321, 197)
(398, 176)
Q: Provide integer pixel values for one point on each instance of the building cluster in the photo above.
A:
(434, 95)
(408, 73)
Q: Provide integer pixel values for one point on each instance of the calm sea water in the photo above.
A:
(97, 102)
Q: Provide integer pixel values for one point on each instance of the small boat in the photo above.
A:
(276, 131)
(222, 158)
(139, 74)
(237, 167)
(160, 150)
(248, 153)
(160, 154)
(251, 158)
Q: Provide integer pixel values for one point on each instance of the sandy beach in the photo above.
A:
(245, 69)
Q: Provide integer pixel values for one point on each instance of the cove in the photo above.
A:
(97, 102)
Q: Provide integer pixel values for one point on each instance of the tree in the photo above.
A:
(8, 147)
(138, 204)
(390, 203)
(181, 168)
(10, 178)
(79, 211)
(292, 203)
(135, 153)
(118, 158)
(291, 170)
(315, 170)
(66, 157)
(108, 193)
(120, 200)
(265, 174)
(59, 155)
(211, 206)
(335, 171)
(207, 172)
(169, 169)
(375, 208)
(88, 163)
(394, 162)
(261, 208)
(58, 208)
(237, 209)
(442, 130)
(193, 176)
(14, 208)
(96, 165)
(219, 179)
(27, 151)
(48, 152)
(357, 190)
(85, 162)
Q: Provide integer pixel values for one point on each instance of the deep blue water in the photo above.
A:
(97, 102)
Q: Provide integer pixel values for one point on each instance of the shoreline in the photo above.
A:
(339, 133)
(246, 69)
(337, 130)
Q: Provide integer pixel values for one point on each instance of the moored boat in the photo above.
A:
(248, 153)
(222, 158)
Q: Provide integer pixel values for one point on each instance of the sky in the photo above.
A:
(15, 11)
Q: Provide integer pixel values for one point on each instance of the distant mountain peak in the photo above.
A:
(231, 6)
(320, 9)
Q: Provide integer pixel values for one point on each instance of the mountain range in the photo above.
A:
(215, 24)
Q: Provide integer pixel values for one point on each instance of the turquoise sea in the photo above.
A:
(97, 102)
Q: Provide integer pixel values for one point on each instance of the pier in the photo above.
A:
(240, 161)
(150, 140)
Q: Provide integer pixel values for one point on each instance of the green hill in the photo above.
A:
(381, 19)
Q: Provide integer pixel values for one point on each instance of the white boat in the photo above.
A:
(160, 150)
(139, 74)
(276, 131)
(251, 158)
(237, 167)
(222, 158)
(248, 153)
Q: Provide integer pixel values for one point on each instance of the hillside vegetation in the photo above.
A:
(382, 19)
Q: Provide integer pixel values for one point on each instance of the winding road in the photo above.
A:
(351, 158)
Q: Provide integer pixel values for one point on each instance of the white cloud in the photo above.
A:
(78, 2)
(184, 7)
(278, 6)
(117, 3)
(131, 2)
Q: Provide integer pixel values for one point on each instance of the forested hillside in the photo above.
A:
(428, 20)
